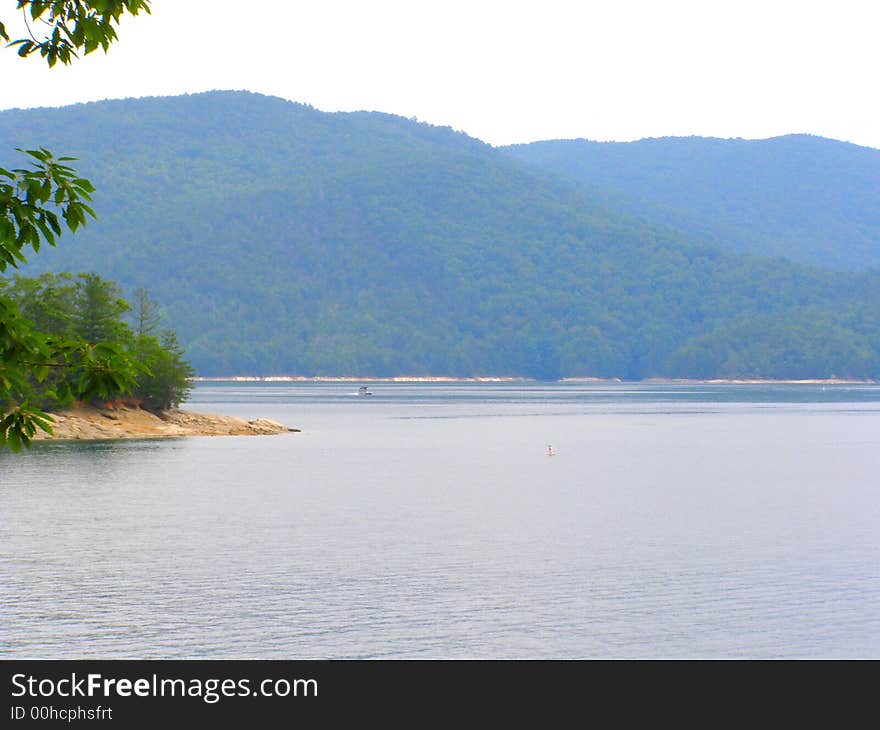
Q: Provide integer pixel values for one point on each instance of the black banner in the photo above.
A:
(267, 693)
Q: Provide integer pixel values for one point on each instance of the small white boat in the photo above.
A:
(364, 390)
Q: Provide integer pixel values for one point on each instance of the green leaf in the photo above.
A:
(41, 372)
(13, 439)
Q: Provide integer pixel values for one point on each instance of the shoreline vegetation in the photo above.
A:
(67, 340)
(91, 423)
(519, 379)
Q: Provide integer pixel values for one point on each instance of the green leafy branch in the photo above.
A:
(101, 370)
(71, 26)
(31, 199)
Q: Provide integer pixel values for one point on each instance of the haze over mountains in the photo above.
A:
(801, 197)
(285, 240)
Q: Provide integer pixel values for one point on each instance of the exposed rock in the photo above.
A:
(123, 422)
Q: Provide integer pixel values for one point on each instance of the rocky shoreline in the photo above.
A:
(125, 422)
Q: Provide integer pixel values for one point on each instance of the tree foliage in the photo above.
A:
(34, 201)
(802, 197)
(95, 353)
(31, 200)
(146, 313)
(57, 29)
(167, 380)
(43, 368)
(302, 242)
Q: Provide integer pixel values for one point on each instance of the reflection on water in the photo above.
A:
(428, 521)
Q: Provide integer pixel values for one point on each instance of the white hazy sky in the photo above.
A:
(504, 72)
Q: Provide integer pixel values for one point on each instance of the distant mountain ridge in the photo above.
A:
(806, 198)
(285, 240)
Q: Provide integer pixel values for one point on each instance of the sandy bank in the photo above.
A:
(89, 423)
(760, 381)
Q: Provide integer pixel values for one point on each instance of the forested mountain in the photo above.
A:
(282, 239)
(809, 199)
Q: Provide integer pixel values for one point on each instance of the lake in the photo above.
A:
(428, 521)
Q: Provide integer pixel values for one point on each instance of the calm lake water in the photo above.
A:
(428, 521)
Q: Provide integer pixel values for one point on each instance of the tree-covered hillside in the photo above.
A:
(805, 198)
(282, 239)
